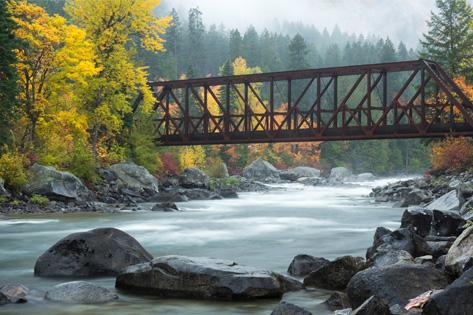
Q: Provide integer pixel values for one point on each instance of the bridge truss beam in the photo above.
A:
(411, 99)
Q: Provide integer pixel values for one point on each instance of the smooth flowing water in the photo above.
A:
(259, 229)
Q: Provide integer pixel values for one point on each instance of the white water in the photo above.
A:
(259, 229)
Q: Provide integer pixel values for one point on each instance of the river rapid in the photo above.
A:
(264, 230)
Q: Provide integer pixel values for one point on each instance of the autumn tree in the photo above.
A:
(450, 37)
(8, 76)
(113, 26)
(55, 63)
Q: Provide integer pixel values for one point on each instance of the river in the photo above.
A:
(259, 229)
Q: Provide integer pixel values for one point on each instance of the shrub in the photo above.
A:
(12, 170)
(169, 164)
(452, 154)
(39, 200)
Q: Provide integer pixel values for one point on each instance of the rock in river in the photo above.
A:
(203, 278)
(285, 308)
(335, 274)
(99, 252)
(56, 185)
(395, 284)
(80, 292)
(447, 202)
(302, 265)
(339, 175)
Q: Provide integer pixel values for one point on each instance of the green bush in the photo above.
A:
(39, 200)
(12, 170)
(3, 199)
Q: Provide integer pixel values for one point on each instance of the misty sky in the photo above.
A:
(398, 19)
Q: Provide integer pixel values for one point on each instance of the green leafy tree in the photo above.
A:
(8, 77)
(450, 37)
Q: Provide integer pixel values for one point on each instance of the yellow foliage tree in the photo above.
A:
(56, 62)
(192, 157)
(114, 26)
(240, 67)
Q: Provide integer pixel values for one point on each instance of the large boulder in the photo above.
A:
(18, 293)
(285, 308)
(338, 301)
(203, 278)
(395, 284)
(130, 176)
(336, 274)
(260, 170)
(432, 222)
(390, 257)
(460, 256)
(99, 252)
(373, 306)
(455, 299)
(56, 185)
(80, 292)
(194, 178)
(3, 191)
(339, 174)
(302, 265)
(365, 177)
(447, 202)
(416, 197)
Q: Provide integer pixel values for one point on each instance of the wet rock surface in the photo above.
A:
(80, 292)
(285, 308)
(302, 265)
(99, 252)
(203, 278)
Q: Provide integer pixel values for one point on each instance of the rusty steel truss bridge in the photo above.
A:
(409, 99)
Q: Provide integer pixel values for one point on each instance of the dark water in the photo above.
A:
(260, 229)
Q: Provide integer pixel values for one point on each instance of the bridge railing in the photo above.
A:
(391, 100)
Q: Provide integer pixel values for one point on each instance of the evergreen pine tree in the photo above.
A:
(196, 33)
(298, 53)
(450, 37)
(8, 77)
(235, 45)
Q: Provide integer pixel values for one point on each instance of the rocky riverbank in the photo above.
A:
(127, 185)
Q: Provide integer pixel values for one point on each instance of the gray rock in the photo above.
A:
(467, 207)
(3, 191)
(203, 278)
(336, 274)
(294, 174)
(339, 175)
(310, 181)
(460, 256)
(80, 292)
(302, 265)
(134, 177)
(395, 284)
(424, 259)
(447, 202)
(260, 170)
(18, 293)
(416, 197)
(455, 299)
(99, 252)
(372, 306)
(285, 308)
(165, 207)
(391, 257)
(385, 240)
(347, 311)
(365, 177)
(56, 185)
(3, 299)
(338, 301)
(194, 178)
(432, 222)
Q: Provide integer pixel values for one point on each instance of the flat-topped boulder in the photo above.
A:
(56, 185)
(203, 278)
(260, 170)
(99, 252)
(80, 292)
(194, 178)
(339, 175)
(134, 177)
(427, 222)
